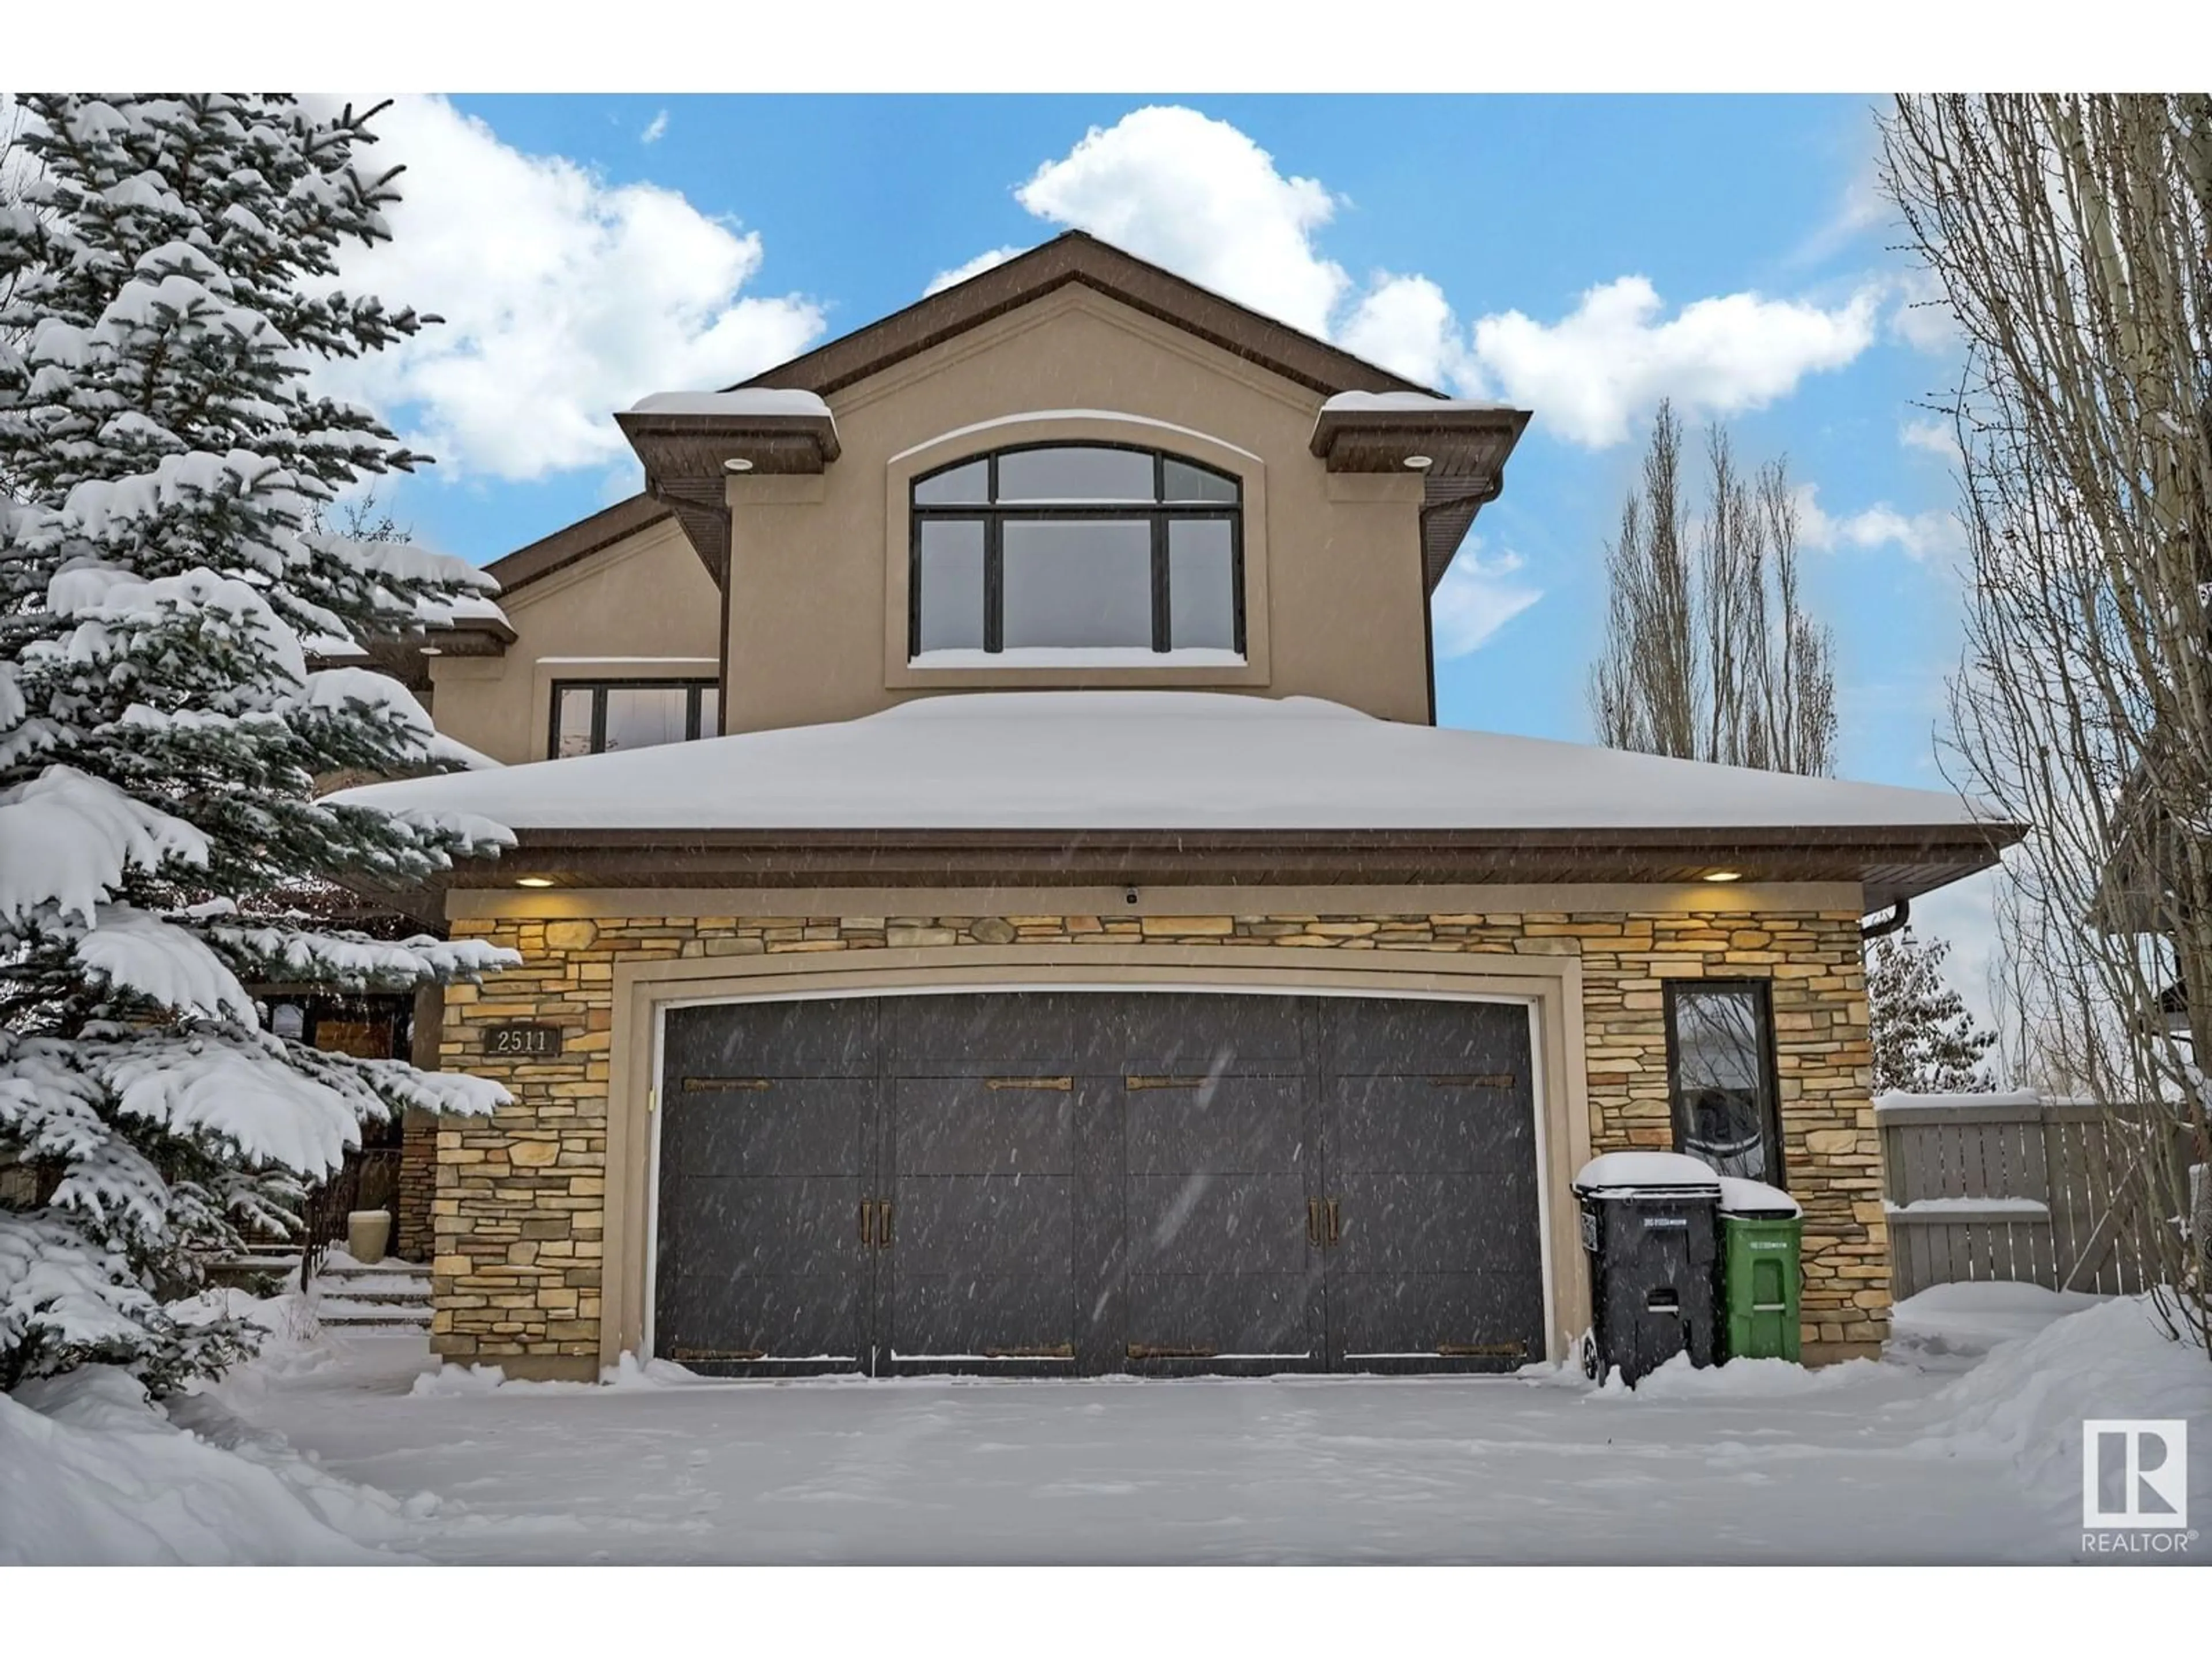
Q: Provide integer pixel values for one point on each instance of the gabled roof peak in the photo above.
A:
(1077, 256)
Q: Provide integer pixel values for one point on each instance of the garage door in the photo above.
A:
(1070, 1183)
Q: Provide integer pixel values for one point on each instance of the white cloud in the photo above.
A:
(1198, 196)
(1613, 358)
(1406, 324)
(976, 267)
(1860, 209)
(1937, 437)
(1478, 596)
(1919, 535)
(565, 299)
(1923, 318)
(655, 129)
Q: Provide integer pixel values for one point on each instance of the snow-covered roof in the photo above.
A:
(1150, 760)
(1405, 403)
(746, 400)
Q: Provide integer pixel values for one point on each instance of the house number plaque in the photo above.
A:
(522, 1041)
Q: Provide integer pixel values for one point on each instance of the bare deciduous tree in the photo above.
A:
(1709, 654)
(2072, 236)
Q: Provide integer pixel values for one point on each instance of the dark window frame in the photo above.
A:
(1769, 1068)
(992, 514)
(694, 708)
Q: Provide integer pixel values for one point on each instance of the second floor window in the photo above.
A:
(1076, 548)
(591, 717)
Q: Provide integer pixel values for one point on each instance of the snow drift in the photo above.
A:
(97, 1473)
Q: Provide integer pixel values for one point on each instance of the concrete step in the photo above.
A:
(354, 1312)
(382, 1296)
(338, 1265)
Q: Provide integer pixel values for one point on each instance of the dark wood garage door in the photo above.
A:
(1074, 1183)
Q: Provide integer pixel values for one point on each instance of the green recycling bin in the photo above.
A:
(1761, 1271)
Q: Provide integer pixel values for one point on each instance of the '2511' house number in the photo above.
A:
(522, 1041)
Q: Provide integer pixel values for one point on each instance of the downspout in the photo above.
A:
(1899, 917)
(1428, 620)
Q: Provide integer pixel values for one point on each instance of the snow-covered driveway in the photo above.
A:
(1927, 1458)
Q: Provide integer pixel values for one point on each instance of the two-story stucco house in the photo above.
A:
(992, 895)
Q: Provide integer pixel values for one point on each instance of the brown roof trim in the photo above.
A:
(1075, 257)
(686, 454)
(1467, 448)
(1890, 862)
(580, 540)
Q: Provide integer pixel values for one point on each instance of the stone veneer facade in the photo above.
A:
(519, 1215)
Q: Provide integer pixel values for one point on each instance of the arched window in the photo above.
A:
(1051, 549)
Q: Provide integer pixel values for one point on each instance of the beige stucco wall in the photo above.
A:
(540, 1257)
(643, 608)
(817, 591)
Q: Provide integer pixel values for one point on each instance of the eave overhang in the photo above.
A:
(1890, 863)
(1465, 448)
(690, 458)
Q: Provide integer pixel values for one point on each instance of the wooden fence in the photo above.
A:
(2016, 1187)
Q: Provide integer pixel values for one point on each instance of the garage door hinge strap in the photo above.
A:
(1062, 1083)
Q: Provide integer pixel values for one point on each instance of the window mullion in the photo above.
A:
(994, 580)
(1161, 614)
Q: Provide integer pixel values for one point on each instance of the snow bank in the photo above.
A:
(2029, 1399)
(628, 1371)
(1742, 1379)
(1973, 1318)
(1166, 760)
(98, 1476)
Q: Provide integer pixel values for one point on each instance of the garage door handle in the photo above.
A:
(1335, 1231)
(1313, 1223)
(884, 1226)
(867, 1226)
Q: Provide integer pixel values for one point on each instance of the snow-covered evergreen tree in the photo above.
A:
(169, 274)
(1924, 1040)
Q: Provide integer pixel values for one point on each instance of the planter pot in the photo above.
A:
(368, 1234)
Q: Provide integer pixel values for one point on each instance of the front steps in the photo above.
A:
(391, 1295)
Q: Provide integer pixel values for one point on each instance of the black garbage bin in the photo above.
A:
(1649, 1228)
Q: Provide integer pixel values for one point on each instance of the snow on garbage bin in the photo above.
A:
(1648, 1225)
(1761, 1271)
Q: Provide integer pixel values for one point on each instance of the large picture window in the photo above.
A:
(1720, 1063)
(594, 717)
(1076, 548)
